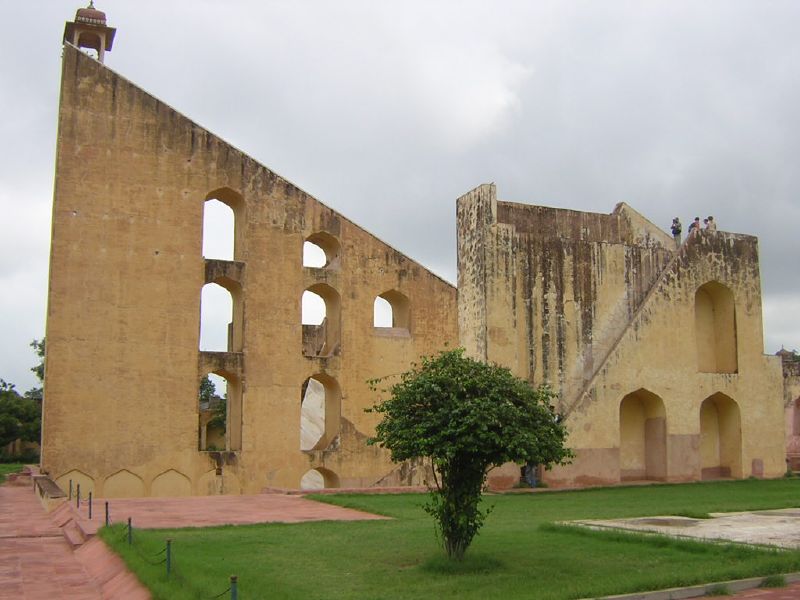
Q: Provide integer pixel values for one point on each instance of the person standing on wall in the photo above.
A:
(695, 226)
(676, 230)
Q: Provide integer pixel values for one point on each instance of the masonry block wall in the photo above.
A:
(655, 350)
(126, 274)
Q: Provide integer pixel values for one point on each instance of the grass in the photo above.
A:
(7, 468)
(519, 553)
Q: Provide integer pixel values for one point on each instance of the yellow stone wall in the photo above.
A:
(126, 274)
(791, 398)
(604, 306)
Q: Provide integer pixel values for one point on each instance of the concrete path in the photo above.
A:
(780, 527)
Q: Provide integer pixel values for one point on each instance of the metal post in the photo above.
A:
(169, 556)
(90, 506)
(78, 497)
(70, 490)
(130, 532)
(106, 513)
(234, 590)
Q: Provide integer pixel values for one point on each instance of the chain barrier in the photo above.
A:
(169, 560)
(220, 594)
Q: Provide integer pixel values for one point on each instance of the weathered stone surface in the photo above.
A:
(655, 351)
(123, 366)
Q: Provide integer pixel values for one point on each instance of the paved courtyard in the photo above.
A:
(207, 511)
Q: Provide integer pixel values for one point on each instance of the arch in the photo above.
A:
(224, 228)
(796, 417)
(90, 39)
(218, 317)
(642, 437)
(720, 438)
(381, 313)
(218, 230)
(78, 478)
(399, 307)
(320, 320)
(319, 478)
(321, 251)
(320, 412)
(123, 484)
(220, 414)
(171, 483)
(715, 329)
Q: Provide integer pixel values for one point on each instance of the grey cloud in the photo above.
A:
(389, 111)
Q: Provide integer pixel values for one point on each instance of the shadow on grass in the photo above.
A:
(472, 564)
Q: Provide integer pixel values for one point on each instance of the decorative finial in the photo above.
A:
(91, 4)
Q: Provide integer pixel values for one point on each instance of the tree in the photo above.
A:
(208, 397)
(20, 417)
(207, 390)
(37, 393)
(466, 417)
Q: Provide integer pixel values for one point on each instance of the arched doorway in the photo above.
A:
(642, 437)
(720, 438)
(715, 329)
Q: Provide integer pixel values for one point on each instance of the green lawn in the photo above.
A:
(6, 468)
(519, 552)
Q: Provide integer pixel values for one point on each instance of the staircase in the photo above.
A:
(608, 351)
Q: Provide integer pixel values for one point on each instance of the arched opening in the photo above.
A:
(219, 412)
(320, 314)
(218, 230)
(320, 412)
(392, 309)
(222, 210)
(796, 417)
(321, 251)
(319, 478)
(642, 437)
(720, 438)
(715, 329)
(217, 318)
(213, 399)
(91, 40)
(381, 313)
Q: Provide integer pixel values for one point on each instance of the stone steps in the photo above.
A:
(75, 528)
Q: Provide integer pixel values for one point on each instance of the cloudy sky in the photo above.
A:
(388, 111)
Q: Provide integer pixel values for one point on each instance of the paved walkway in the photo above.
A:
(790, 592)
(36, 562)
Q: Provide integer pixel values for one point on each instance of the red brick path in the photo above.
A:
(206, 511)
(790, 592)
(36, 562)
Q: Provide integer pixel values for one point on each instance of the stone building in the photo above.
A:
(122, 418)
(791, 399)
(654, 350)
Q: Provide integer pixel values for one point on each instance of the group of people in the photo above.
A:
(708, 223)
